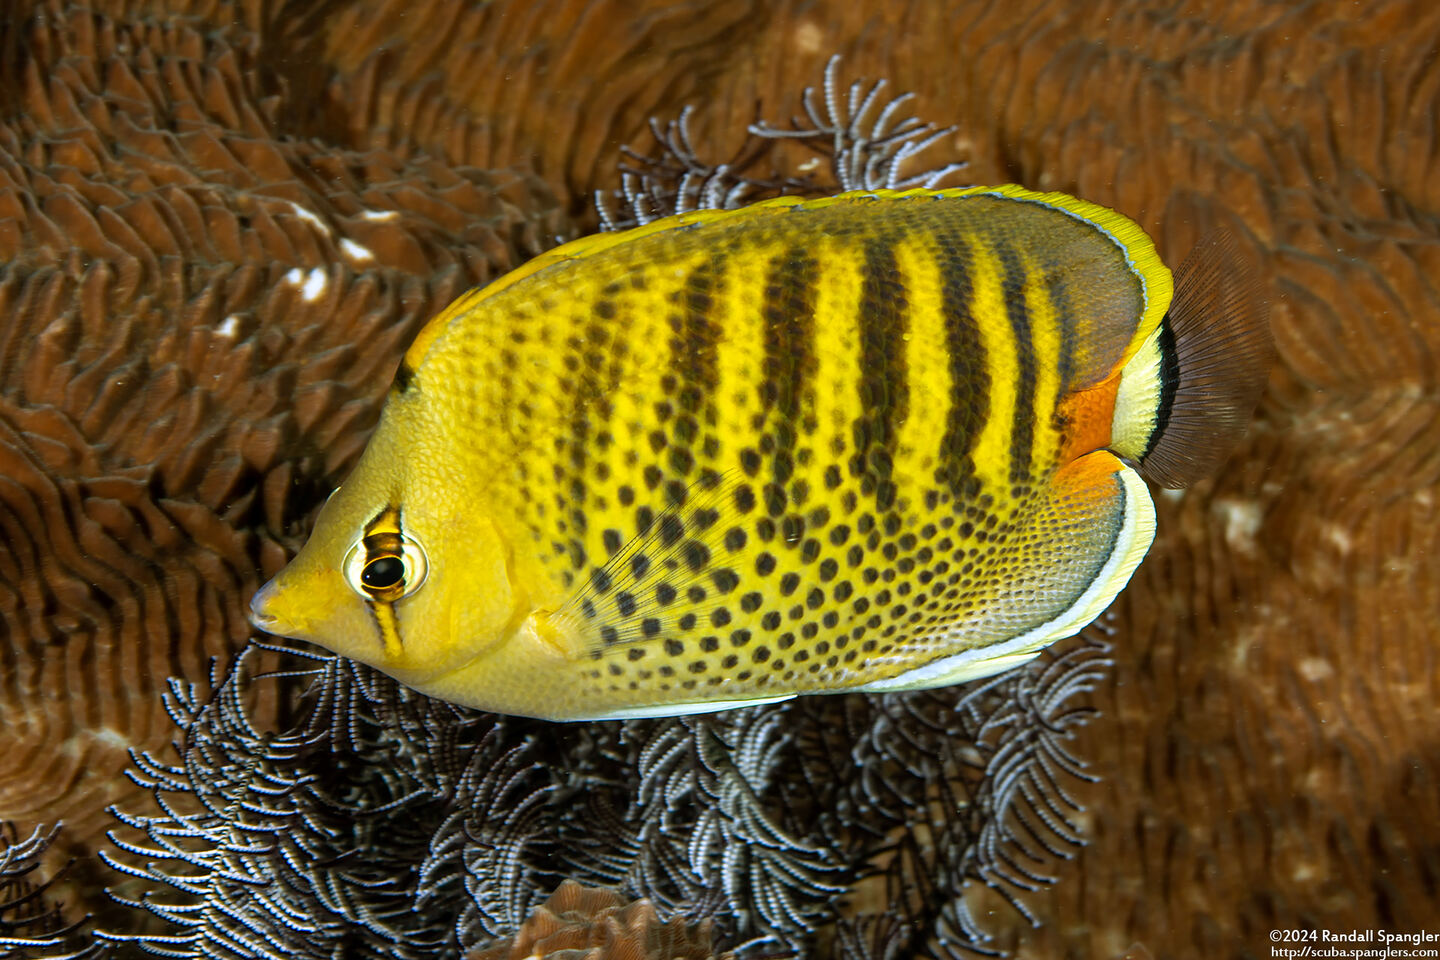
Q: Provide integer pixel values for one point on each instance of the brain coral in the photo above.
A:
(1267, 754)
(201, 314)
(1268, 734)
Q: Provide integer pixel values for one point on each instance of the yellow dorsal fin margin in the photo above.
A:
(1139, 249)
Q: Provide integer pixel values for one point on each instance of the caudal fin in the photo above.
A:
(1194, 398)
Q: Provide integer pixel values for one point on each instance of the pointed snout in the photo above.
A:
(301, 603)
(262, 606)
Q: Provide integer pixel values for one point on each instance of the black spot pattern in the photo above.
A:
(726, 509)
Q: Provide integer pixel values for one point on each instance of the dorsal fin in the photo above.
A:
(1135, 244)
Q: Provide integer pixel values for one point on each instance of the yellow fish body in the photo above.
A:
(877, 441)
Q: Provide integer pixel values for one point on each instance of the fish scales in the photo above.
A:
(802, 447)
(857, 355)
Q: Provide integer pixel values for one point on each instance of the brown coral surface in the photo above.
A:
(201, 314)
(588, 923)
(1268, 753)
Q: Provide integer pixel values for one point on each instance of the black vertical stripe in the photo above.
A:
(693, 367)
(693, 346)
(1169, 381)
(789, 368)
(969, 376)
(1022, 432)
(884, 383)
(573, 459)
(789, 313)
(594, 354)
(1066, 323)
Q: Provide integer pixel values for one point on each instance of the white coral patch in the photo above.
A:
(311, 284)
(1339, 537)
(314, 285)
(356, 252)
(309, 216)
(111, 737)
(1242, 523)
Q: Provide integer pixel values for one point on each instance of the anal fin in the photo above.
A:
(651, 711)
(1101, 521)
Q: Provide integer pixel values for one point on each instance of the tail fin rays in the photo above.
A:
(1218, 351)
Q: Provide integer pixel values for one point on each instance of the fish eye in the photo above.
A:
(382, 573)
(387, 568)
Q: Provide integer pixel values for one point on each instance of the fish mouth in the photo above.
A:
(261, 606)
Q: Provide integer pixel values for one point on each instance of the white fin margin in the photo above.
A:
(680, 709)
(1137, 400)
(1137, 531)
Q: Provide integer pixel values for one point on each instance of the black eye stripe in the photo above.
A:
(384, 543)
(384, 572)
(391, 567)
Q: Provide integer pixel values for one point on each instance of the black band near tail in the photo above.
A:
(1169, 381)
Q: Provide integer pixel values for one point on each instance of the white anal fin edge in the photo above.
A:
(680, 709)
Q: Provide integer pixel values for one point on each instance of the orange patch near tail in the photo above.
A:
(1087, 415)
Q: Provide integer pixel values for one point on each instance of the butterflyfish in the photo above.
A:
(877, 441)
